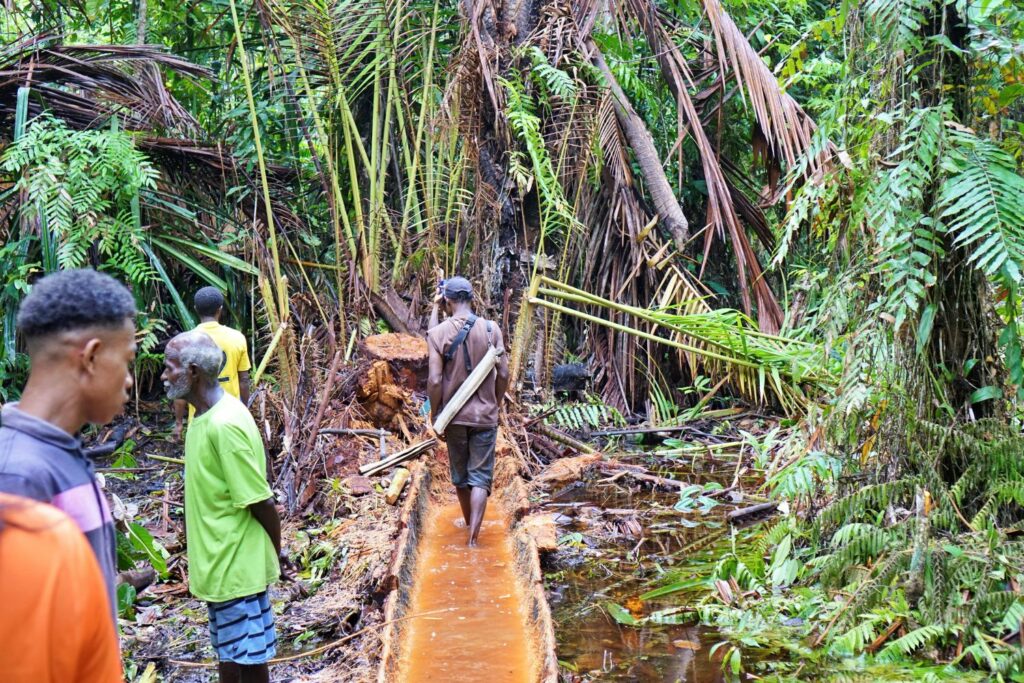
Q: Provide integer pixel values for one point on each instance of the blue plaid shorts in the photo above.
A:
(242, 630)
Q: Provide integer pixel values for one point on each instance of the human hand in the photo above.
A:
(288, 568)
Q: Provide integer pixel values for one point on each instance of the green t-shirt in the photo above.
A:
(230, 554)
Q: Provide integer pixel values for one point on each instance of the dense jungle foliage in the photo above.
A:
(817, 207)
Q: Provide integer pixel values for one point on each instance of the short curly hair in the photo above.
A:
(207, 301)
(74, 300)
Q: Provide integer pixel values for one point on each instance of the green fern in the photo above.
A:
(82, 186)
(557, 215)
(897, 210)
(553, 80)
(916, 639)
(982, 204)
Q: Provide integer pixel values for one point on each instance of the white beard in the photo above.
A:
(179, 390)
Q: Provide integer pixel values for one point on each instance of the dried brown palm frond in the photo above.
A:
(721, 212)
(786, 127)
(85, 85)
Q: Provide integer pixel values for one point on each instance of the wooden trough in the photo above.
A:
(431, 486)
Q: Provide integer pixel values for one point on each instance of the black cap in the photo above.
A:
(454, 285)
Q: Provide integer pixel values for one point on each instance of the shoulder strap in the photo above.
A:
(460, 338)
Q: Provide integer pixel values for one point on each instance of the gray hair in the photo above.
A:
(198, 348)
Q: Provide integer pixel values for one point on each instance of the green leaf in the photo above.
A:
(620, 614)
(184, 315)
(143, 541)
(201, 270)
(125, 599)
(985, 394)
(220, 257)
(671, 588)
(924, 328)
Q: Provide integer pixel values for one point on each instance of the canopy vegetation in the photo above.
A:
(813, 207)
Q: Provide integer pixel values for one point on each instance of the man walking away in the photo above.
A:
(234, 375)
(457, 345)
(232, 530)
(54, 627)
(79, 330)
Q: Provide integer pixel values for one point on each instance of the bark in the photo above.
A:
(140, 26)
(665, 203)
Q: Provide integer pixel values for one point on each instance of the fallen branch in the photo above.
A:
(408, 454)
(164, 458)
(563, 438)
(355, 432)
(880, 640)
(324, 399)
(742, 513)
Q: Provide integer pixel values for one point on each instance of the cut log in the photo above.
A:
(407, 355)
(397, 484)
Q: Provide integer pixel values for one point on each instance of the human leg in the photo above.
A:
(255, 673)
(478, 505)
(464, 496)
(480, 470)
(457, 438)
(229, 672)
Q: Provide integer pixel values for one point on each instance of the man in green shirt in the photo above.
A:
(232, 529)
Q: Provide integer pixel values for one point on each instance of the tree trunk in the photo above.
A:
(140, 26)
(647, 157)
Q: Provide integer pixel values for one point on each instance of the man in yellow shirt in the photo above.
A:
(234, 373)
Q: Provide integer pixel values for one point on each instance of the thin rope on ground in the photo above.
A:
(323, 648)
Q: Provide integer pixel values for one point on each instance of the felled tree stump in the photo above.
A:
(380, 396)
(405, 353)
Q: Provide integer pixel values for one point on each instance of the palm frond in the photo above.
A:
(982, 203)
(787, 128)
(86, 85)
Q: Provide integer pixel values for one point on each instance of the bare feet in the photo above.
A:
(459, 523)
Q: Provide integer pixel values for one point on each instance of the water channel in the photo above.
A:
(485, 638)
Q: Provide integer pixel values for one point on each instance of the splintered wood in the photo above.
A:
(379, 396)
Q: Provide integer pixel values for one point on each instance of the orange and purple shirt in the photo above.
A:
(41, 461)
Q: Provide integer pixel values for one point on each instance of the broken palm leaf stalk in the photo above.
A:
(728, 342)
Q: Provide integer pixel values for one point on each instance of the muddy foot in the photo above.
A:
(459, 523)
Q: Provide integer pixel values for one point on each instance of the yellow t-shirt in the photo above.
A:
(236, 357)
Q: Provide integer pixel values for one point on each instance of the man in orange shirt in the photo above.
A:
(55, 626)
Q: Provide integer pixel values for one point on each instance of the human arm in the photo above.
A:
(84, 626)
(435, 315)
(242, 368)
(180, 408)
(435, 370)
(243, 386)
(265, 513)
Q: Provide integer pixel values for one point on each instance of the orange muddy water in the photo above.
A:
(484, 637)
